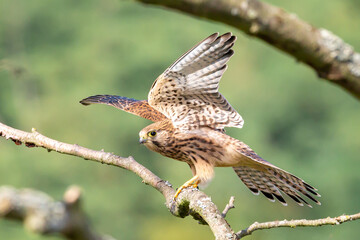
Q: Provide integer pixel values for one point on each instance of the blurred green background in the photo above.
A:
(54, 53)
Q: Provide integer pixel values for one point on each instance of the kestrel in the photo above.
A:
(190, 115)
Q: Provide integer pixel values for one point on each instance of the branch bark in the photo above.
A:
(297, 223)
(191, 201)
(42, 215)
(326, 53)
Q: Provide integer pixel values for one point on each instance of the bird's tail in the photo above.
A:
(261, 176)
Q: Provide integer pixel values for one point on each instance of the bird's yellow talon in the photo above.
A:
(193, 182)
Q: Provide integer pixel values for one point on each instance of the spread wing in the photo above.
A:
(187, 92)
(138, 107)
(261, 176)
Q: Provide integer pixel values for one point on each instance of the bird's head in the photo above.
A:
(156, 136)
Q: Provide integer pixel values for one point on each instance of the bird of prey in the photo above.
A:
(189, 116)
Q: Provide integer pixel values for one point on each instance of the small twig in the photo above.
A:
(228, 206)
(297, 223)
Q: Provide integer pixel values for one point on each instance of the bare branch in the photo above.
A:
(42, 215)
(228, 206)
(326, 53)
(297, 223)
(190, 202)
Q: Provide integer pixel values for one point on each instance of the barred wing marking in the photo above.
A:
(187, 92)
(261, 176)
(137, 107)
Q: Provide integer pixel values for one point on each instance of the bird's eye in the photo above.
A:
(152, 134)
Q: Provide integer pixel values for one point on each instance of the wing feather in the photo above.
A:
(137, 107)
(187, 92)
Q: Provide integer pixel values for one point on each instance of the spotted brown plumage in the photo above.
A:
(190, 115)
(187, 92)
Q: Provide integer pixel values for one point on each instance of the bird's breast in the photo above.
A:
(198, 148)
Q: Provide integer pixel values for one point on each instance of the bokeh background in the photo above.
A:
(54, 53)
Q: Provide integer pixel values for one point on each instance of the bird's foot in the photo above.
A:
(193, 182)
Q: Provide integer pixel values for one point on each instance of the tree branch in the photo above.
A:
(191, 201)
(326, 53)
(41, 214)
(297, 223)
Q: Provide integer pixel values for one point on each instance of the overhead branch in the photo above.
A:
(297, 223)
(326, 53)
(42, 215)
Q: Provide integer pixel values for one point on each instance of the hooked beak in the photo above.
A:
(142, 140)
